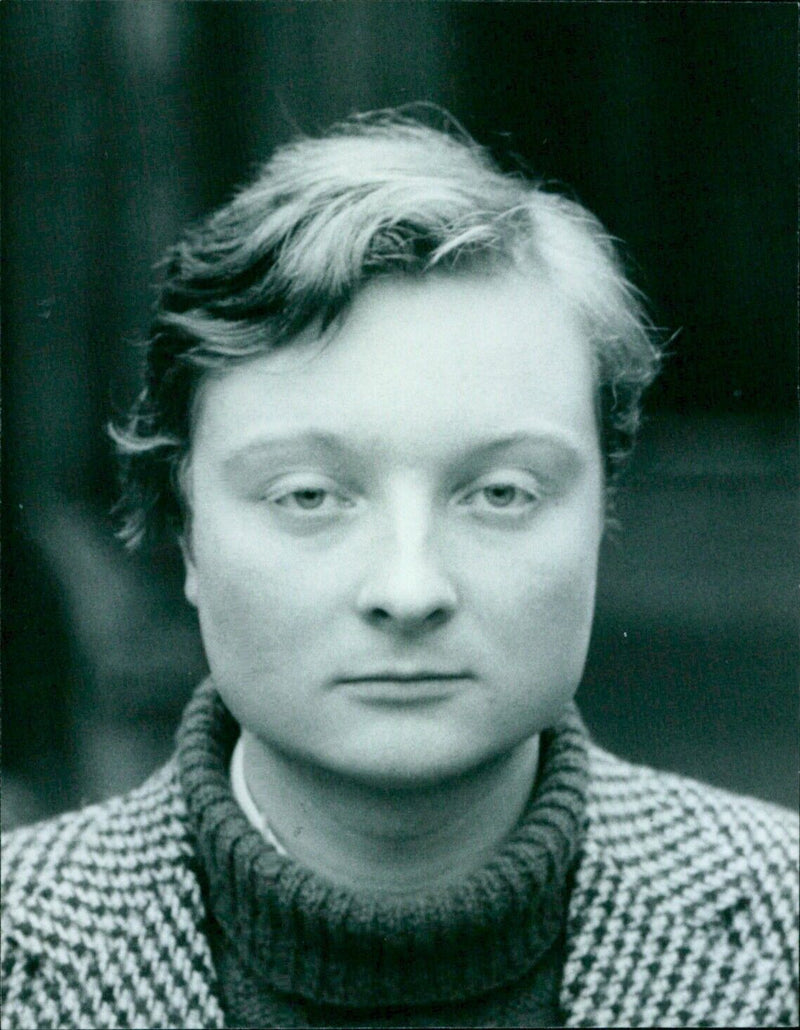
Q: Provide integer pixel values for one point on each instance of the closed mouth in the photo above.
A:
(404, 689)
(422, 676)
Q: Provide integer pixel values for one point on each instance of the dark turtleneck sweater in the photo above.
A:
(293, 949)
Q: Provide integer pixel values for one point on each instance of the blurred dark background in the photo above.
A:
(676, 123)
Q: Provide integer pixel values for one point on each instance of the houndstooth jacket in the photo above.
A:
(683, 912)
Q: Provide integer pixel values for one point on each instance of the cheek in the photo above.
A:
(238, 590)
(262, 606)
(542, 605)
(555, 611)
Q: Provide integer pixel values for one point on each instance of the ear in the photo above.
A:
(190, 579)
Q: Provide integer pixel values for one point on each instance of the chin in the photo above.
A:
(399, 776)
(399, 769)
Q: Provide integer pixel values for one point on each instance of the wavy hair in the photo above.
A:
(377, 195)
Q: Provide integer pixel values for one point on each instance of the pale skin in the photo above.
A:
(393, 554)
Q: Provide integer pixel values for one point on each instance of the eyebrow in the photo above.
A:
(558, 441)
(288, 443)
(563, 445)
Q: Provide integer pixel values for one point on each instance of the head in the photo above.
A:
(389, 391)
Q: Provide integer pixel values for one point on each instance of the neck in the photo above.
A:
(395, 841)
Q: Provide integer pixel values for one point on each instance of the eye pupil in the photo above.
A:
(309, 498)
(500, 496)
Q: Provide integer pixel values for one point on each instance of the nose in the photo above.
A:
(407, 589)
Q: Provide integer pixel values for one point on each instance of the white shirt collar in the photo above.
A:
(243, 797)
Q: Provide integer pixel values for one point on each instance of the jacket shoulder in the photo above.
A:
(116, 843)
(640, 813)
(685, 907)
(101, 910)
(704, 850)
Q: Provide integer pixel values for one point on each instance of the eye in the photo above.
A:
(306, 500)
(502, 495)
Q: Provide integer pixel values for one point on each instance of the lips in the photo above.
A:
(405, 676)
(398, 688)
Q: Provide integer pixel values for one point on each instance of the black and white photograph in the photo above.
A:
(399, 514)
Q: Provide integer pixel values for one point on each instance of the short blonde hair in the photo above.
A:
(377, 195)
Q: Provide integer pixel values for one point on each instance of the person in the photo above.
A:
(389, 391)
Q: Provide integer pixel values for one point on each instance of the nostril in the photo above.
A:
(429, 620)
(436, 617)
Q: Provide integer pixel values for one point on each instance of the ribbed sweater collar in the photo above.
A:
(302, 934)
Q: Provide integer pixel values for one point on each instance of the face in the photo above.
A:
(395, 530)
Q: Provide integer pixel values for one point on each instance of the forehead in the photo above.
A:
(425, 360)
